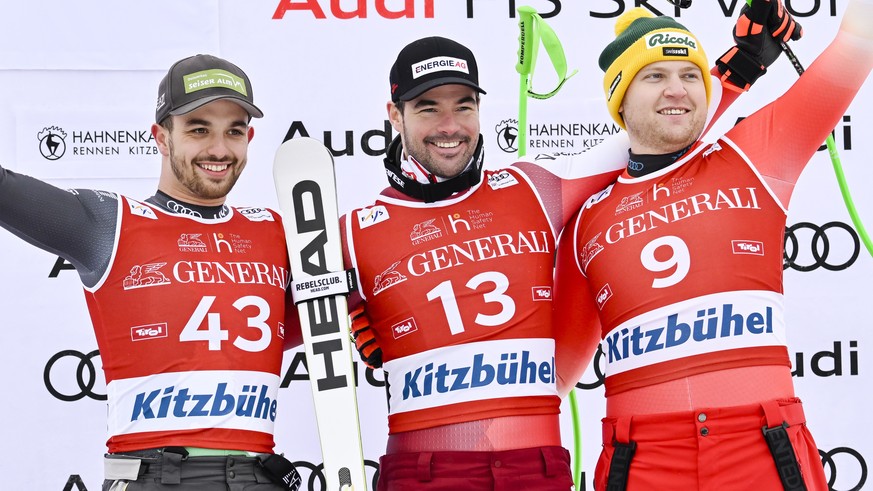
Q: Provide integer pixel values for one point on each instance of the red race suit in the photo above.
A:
(184, 299)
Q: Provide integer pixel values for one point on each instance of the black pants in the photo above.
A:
(160, 471)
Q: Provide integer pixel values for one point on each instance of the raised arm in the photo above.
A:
(781, 138)
(78, 225)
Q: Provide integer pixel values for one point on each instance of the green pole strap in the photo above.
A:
(577, 441)
(835, 160)
(533, 29)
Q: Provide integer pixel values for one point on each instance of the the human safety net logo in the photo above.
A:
(244, 400)
(707, 324)
(472, 372)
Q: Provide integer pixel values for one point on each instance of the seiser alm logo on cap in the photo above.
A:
(439, 64)
(210, 79)
(660, 39)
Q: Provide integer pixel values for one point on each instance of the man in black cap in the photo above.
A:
(455, 265)
(186, 294)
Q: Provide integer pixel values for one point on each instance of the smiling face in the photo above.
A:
(440, 128)
(664, 108)
(204, 152)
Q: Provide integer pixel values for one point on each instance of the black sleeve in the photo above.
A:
(78, 225)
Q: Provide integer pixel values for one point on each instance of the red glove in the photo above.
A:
(759, 33)
(365, 339)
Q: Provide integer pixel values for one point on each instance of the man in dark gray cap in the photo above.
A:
(186, 294)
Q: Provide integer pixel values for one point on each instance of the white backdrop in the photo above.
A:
(320, 67)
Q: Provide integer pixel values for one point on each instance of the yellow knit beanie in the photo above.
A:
(641, 39)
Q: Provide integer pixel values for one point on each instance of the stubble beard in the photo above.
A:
(199, 186)
(424, 156)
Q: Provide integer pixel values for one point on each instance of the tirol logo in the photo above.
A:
(404, 327)
(603, 296)
(507, 135)
(439, 64)
(748, 247)
(52, 144)
(150, 331)
(660, 39)
(541, 293)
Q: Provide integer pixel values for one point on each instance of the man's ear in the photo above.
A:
(251, 133)
(395, 117)
(161, 134)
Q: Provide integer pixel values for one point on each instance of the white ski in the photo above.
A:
(305, 185)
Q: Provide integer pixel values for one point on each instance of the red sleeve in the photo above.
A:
(780, 138)
(728, 95)
(574, 315)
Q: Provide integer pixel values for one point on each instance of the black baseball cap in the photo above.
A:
(431, 62)
(201, 79)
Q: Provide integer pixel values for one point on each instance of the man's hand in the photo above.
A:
(365, 340)
(759, 33)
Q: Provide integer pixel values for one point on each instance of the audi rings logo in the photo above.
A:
(316, 474)
(833, 246)
(853, 468)
(71, 375)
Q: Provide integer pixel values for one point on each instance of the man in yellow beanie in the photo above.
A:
(682, 257)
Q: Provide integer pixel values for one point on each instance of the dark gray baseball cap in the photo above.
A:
(201, 79)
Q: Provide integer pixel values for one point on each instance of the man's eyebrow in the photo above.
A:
(197, 122)
(204, 122)
(425, 102)
(428, 102)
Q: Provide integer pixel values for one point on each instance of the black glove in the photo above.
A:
(759, 32)
(365, 340)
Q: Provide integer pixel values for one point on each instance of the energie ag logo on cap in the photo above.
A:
(208, 79)
(439, 64)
